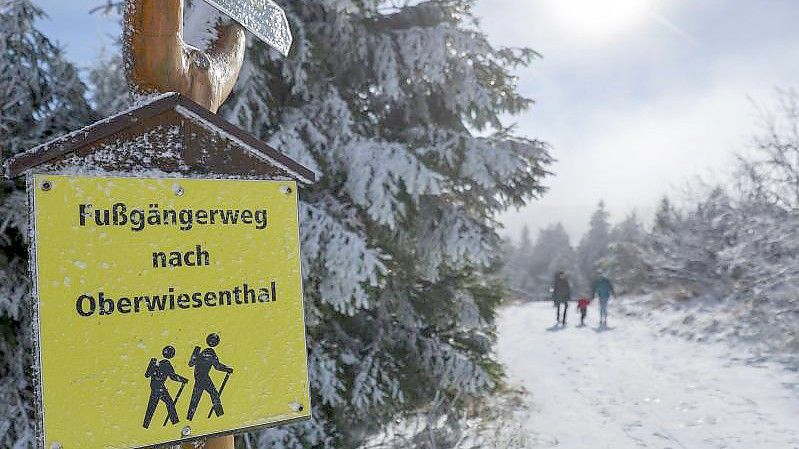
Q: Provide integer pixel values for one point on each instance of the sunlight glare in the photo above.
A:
(600, 18)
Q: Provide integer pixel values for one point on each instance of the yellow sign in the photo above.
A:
(168, 309)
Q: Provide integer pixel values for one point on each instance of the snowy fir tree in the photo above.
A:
(552, 253)
(108, 85)
(41, 93)
(516, 264)
(628, 229)
(525, 242)
(594, 244)
(627, 261)
(665, 216)
(400, 232)
(688, 256)
(42, 97)
(397, 108)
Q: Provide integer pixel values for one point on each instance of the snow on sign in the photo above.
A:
(168, 309)
(263, 18)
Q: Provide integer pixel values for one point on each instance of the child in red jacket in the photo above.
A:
(582, 306)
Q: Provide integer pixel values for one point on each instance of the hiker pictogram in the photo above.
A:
(159, 373)
(203, 361)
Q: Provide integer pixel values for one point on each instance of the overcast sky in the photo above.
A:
(639, 97)
(635, 96)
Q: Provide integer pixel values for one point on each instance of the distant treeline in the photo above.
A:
(734, 243)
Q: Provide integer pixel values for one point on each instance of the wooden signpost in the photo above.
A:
(165, 258)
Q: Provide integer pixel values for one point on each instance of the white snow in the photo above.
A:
(141, 101)
(264, 18)
(630, 387)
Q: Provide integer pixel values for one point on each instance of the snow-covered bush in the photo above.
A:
(735, 245)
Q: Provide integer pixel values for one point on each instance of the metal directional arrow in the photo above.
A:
(263, 18)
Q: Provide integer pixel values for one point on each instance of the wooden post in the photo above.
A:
(158, 61)
(226, 442)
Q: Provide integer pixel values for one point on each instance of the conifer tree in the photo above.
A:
(400, 232)
(41, 97)
(594, 244)
(108, 85)
(665, 216)
(517, 265)
(627, 261)
(551, 254)
(525, 242)
(400, 249)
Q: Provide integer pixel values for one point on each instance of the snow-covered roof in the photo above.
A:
(260, 157)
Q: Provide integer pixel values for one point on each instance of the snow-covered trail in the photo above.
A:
(629, 388)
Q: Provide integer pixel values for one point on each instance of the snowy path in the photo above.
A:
(628, 388)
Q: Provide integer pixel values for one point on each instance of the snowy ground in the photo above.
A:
(629, 387)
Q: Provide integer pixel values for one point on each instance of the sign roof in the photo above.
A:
(261, 156)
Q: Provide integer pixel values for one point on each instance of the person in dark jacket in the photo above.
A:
(561, 293)
(603, 289)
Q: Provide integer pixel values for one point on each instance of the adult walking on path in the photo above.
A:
(561, 293)
(603, 288)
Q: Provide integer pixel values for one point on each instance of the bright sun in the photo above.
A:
(600, 18)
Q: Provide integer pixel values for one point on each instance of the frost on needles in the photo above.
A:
(42, 97)
(399, 236)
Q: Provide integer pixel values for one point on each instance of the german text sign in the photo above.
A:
(168, 309)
